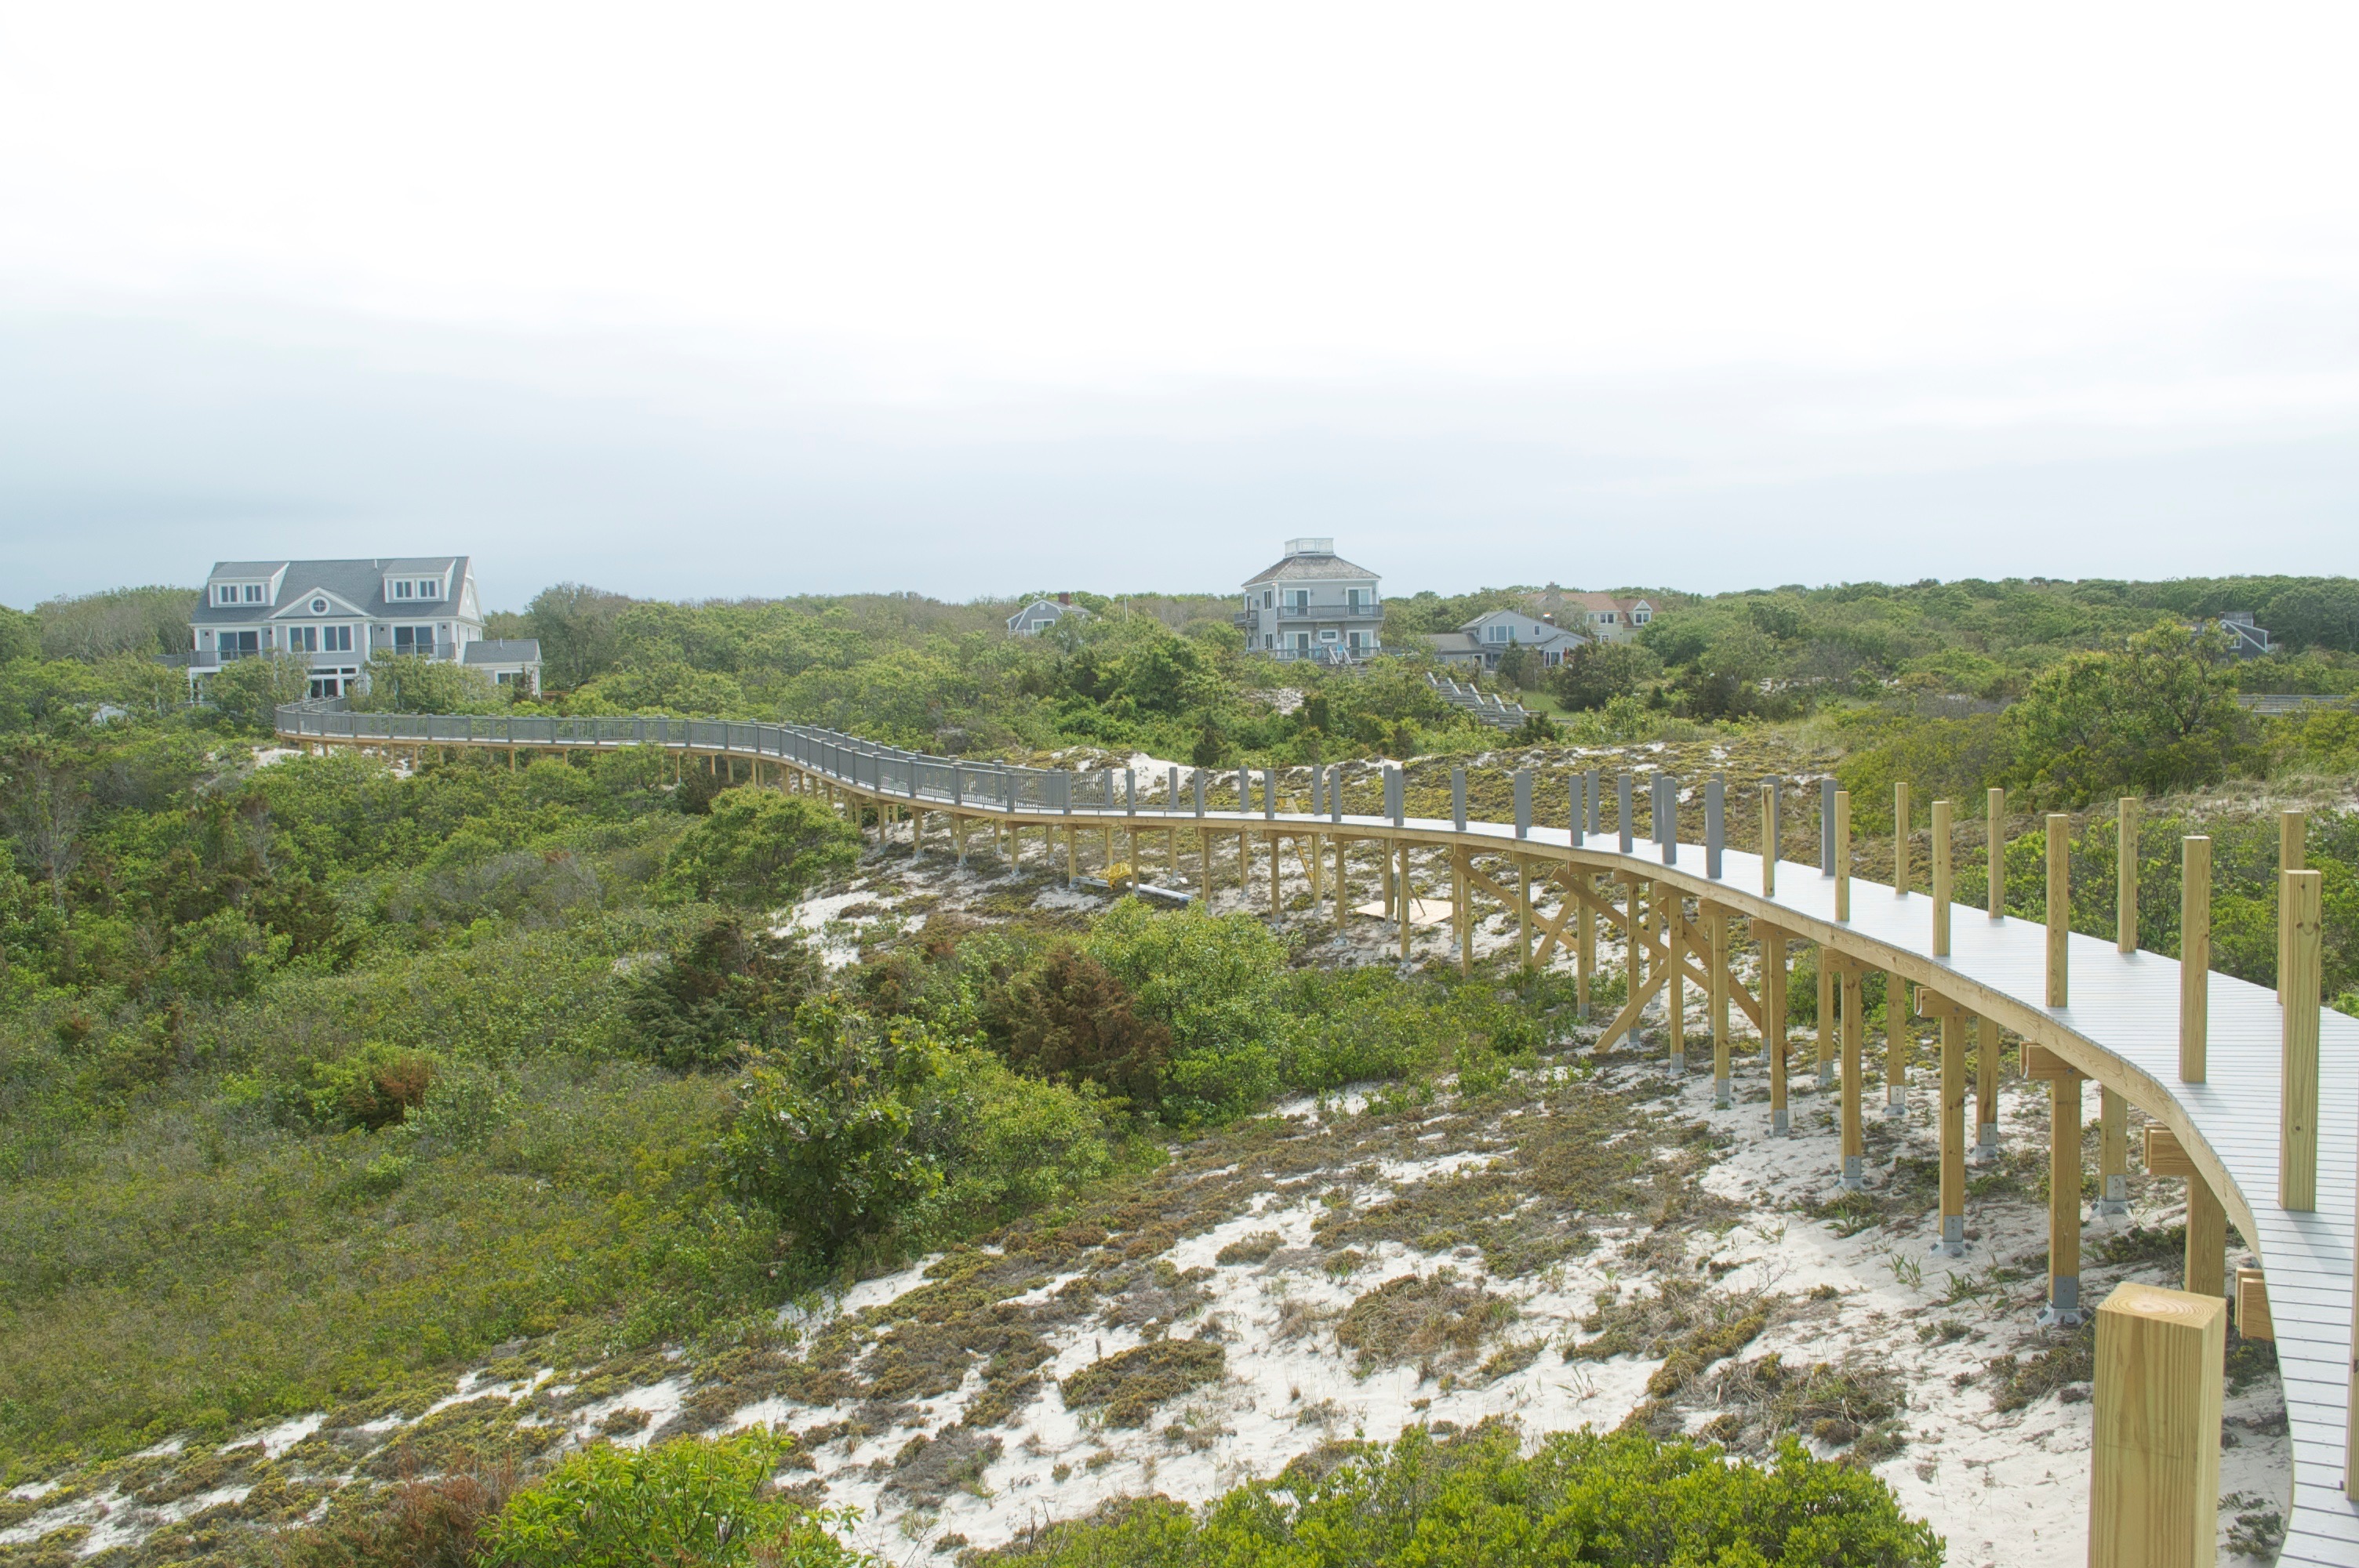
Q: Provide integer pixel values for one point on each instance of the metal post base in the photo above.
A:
(1827, 1076)
(1952, 1243)
(1895, 1102)
(2116, 1201)
(1780, 1124)
(1679, 1063)
(2063, 1308)
(1985, 1149)
(1854, 1174)
(1721, 1097)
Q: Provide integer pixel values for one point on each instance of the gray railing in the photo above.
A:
(942, 781)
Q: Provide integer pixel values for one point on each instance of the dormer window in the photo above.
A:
(429, 588)
(401, 588)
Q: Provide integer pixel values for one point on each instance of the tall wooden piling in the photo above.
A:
(2194, 956)
(2297, 997)
(2154, 1459)
(2060, 907)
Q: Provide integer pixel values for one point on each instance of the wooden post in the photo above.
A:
(2154, 1456)
(2298, 993)
(1460, 897)
(1995, 806)
(1940, 879)
(1854, 1139)
(1205, 866)
(1275, 911)
(2207, 1221)
(2113, 1153)
(1827, 1015)
(1953, 1242)
(1896, 1047)
(1900, 840)
(1585, 958)
(1072, 851)
(2194, 956)
(2063, 1309)
(1716, 1002)
(1769, 833)
(2059, 906)
(2292, 830)
(1842, 854)
(2125, 874)
(1773, 1012)
(1524, 909)
(1669, 907)
(1408, 904)
(1987, 1053)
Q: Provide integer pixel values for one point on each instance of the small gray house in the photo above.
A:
(1042, 613)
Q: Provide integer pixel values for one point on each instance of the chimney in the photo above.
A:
(1064, 599)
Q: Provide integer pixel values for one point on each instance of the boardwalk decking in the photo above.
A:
(2122, 1027)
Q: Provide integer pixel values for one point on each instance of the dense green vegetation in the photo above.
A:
(1615, 1501)
(318, 1077)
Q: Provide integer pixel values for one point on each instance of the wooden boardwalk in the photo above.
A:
(2122, 1028)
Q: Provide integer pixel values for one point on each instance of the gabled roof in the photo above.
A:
(360, 584)
(1541, 630)
(1311, 568)
(296, 603)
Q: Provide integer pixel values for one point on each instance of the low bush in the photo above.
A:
(692, 1503)
(759, 849)
(1619, 1501)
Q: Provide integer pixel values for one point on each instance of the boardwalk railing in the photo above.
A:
(2253, 1093)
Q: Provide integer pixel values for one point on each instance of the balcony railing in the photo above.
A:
(1331, 611)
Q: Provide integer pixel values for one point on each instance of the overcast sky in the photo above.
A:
(979, 300)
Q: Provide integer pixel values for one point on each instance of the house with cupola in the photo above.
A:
(336, 615)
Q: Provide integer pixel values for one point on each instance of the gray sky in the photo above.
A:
(973, 300)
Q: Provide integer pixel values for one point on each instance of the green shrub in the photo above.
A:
(759, 847)
(856, 1128)
(1210, 980)
(723, 991)
(1620, 1501)
(1070, 1021)
(686, 1504)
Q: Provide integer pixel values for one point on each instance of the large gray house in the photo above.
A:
(1312, 604)
(336, 614)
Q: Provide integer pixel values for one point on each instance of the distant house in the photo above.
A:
(1314, 605)
(1602, 616)
(1480, 642)
(335, 615)
(1042, 613)
(2246, 640)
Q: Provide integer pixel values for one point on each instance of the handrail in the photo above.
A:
(2122, 1028)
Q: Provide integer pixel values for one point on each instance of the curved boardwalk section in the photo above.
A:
(2120, 1026)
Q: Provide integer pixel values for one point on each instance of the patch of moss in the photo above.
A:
(1253, 1249)
(1127, 1386)
(1421, 1317)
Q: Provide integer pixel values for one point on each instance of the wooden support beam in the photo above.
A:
(2207, 1220)
(1773, 1009)
(2113, 1153)
(1673, 919)
(1896, 1047)
(1953, 1242)
(1855, 1140)
(1988, 1050)
(2154, 1459)
(1827, 1017)
(1715, 920)
(2252, 1321)
(2063, 1308)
